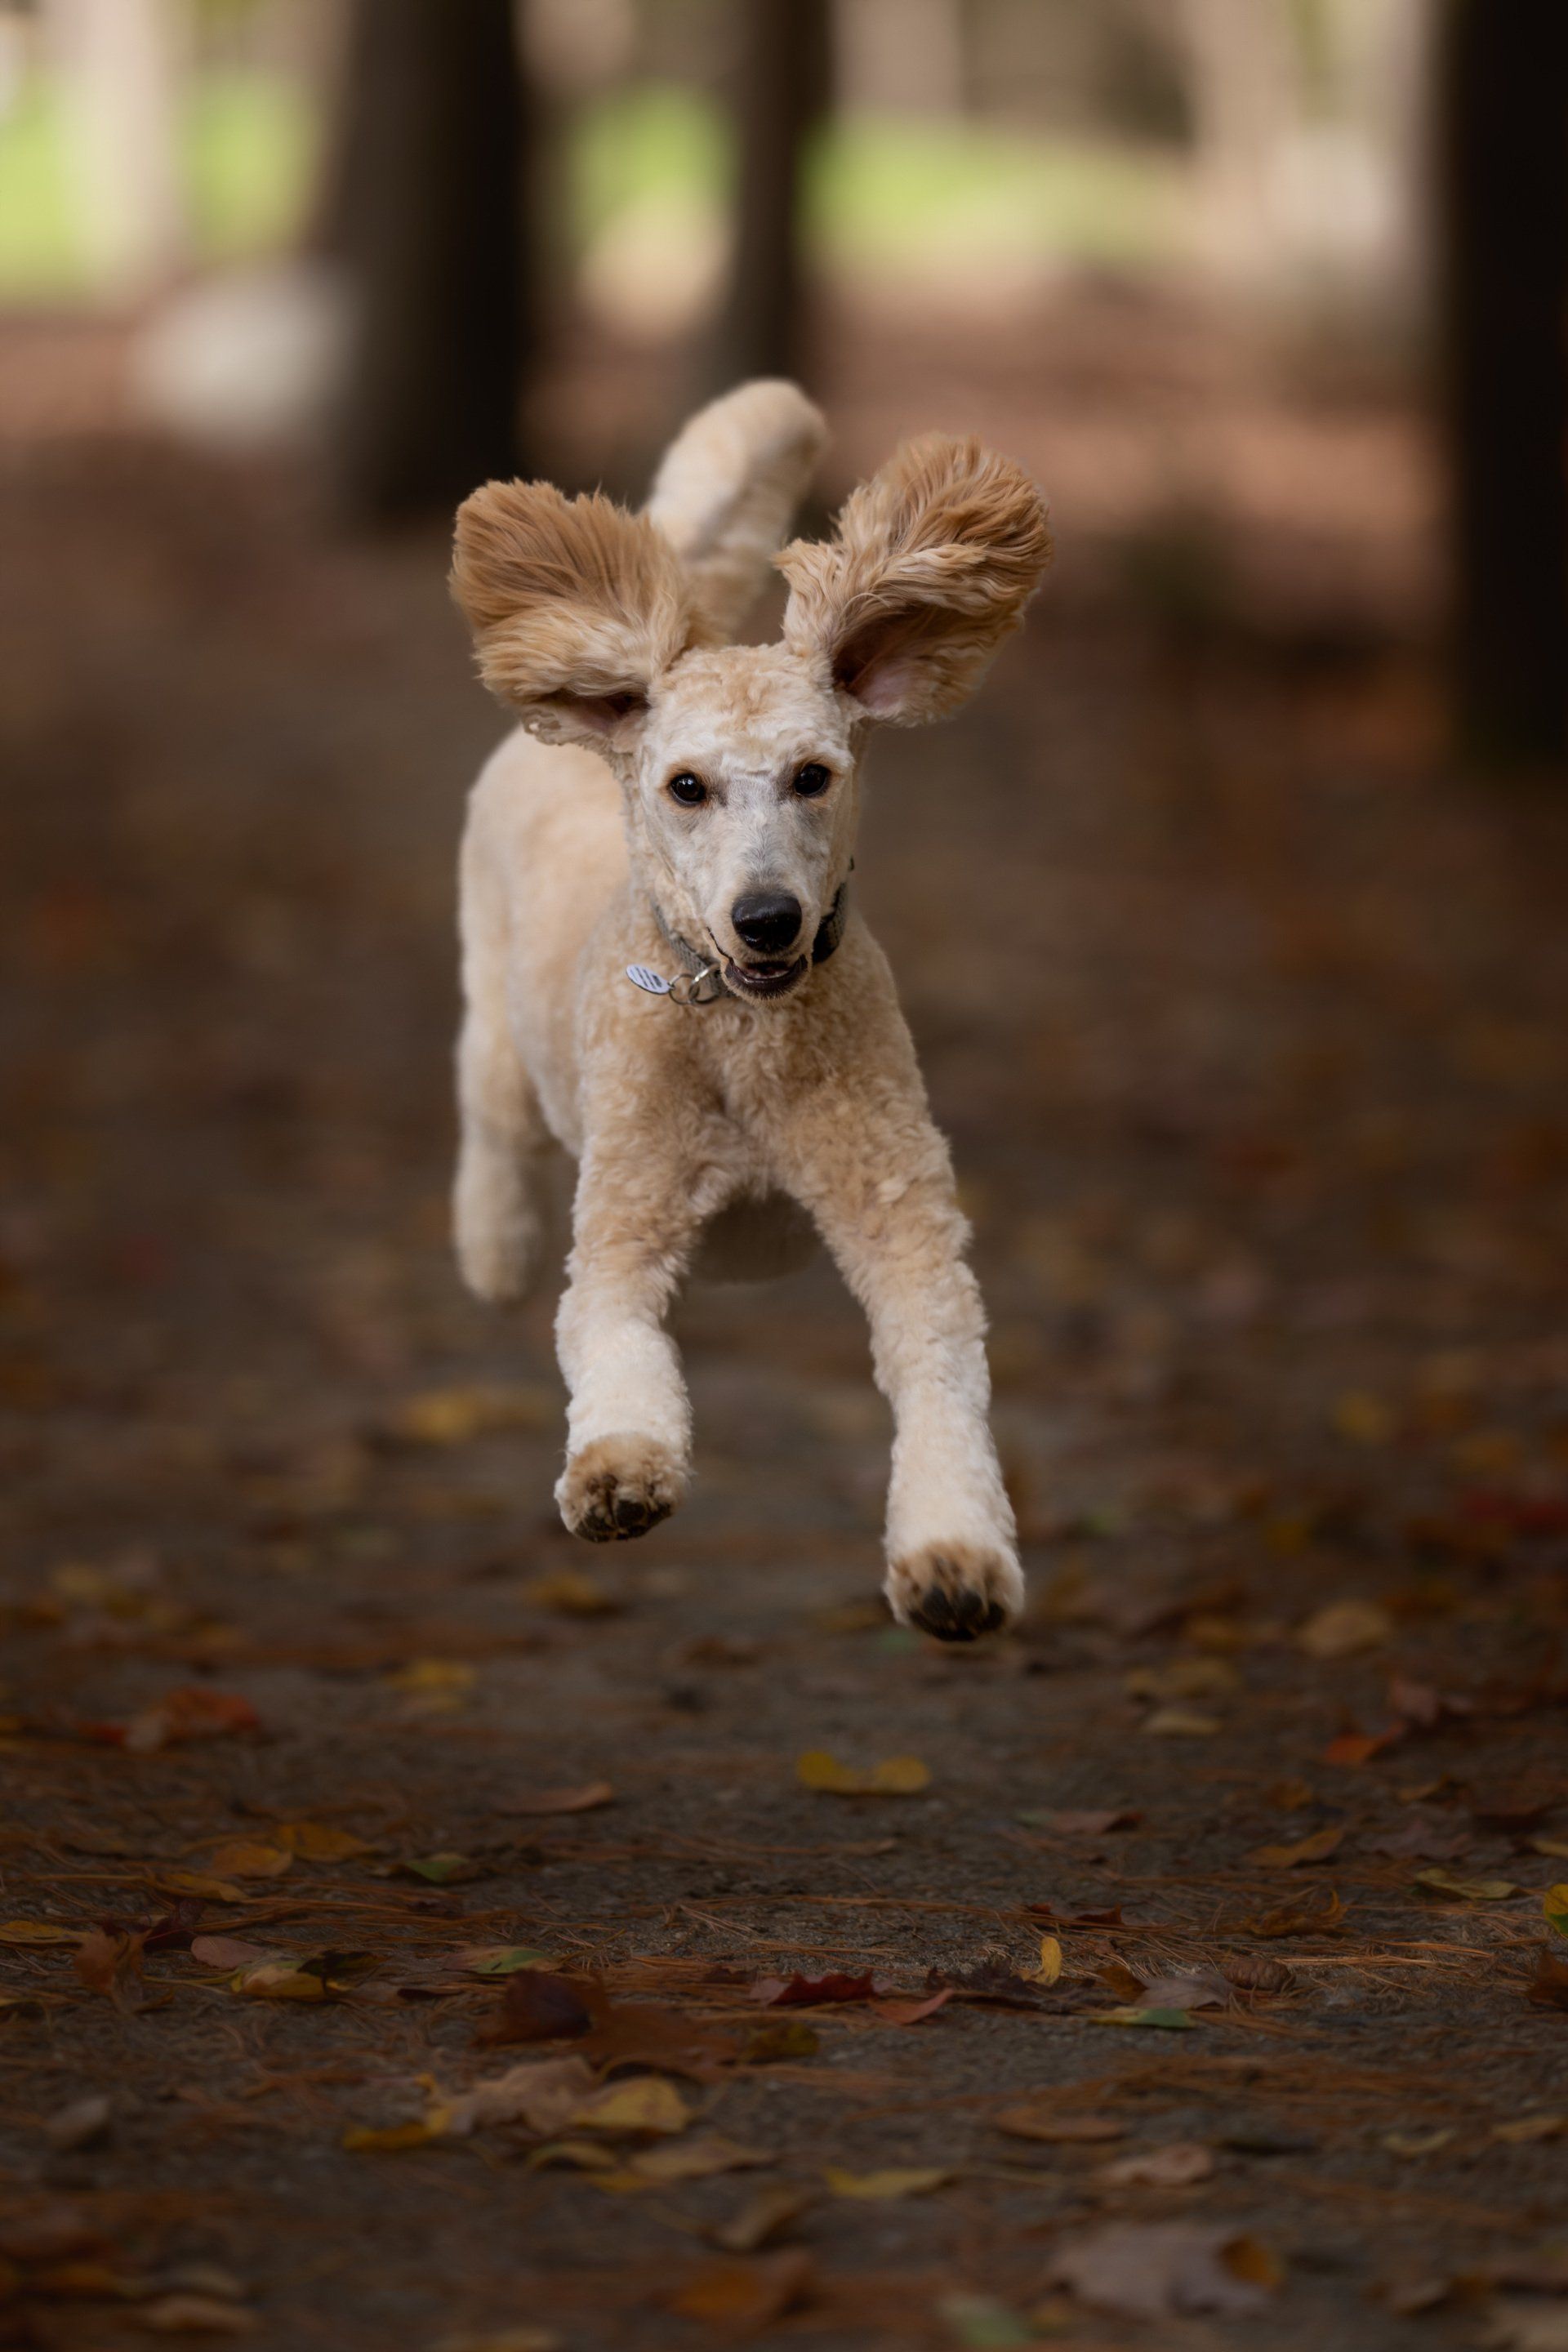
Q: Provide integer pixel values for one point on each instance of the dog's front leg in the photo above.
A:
(629, 1421)
(892, 1220)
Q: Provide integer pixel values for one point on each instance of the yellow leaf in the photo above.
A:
(1531, 2128)
(245, 1858)
(572, 1594)
(647, 2102)
(202, 1883)
(1554, 1909)
(278, 1981)
(897, 1776)
(38, 1931)
(1181, 1723)
(1050, 1967)
(896, 2180)
(455, 1416)
(1343, 1628)
(1438, 1881)
(433, 1686)
(316, 1842)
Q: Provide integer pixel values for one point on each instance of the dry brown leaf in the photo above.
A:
(247, 1858)
(583, 1799)
(319, 1841)
(1039, 2120)
(1299, 1850)
(765, 2216)
(1345, 1628)
(1310, 1916)
(544, 2096)
(746, 2296)
(1158, 2269)
(1179, 2164)
(891, 2181)
(896, 1776)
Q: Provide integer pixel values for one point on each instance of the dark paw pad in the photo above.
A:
(961, 1616)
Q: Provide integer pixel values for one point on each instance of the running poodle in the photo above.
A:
(662, 968)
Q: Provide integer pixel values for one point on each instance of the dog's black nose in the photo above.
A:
(768, 921)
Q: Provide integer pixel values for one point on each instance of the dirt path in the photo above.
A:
(1248, 1034)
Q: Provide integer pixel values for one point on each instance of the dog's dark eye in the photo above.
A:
(689, 790)
(812, 781)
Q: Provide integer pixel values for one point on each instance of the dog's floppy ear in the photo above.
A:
(575, 605)
(934, 560)
(727, 492)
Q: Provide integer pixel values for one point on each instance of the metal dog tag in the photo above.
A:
(651, 983)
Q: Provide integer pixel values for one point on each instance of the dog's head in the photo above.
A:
(740, 763)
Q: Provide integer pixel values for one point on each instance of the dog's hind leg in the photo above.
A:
(495, 1216)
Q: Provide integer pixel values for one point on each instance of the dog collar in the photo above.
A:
(700, 980)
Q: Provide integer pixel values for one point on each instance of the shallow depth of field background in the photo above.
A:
(1228, 920)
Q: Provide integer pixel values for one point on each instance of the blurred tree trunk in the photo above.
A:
(1503, 102)
(426, 215)
(122, 65)
(781, 88)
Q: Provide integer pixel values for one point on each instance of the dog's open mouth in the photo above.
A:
(764, 979)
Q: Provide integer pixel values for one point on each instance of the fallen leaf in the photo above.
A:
(746, 2296)
(1555, 1848)
(765, 2216)
(22, 1932)
(543, 2096)
(1308, 1916)
(644, 2103)
(1363, 1418)
(810, 1993)
(539, 2007)
(245, 1858)
(319, 1841)
(437, 1869)
(892, 2181)
(1050, 1966)
(1178, 2164)
(1438, 1881)
(1199, 1677)
(195, 2314)
(1554, 1909)
(570, 1593)
(316, 1976)
(701, 2158)
(1343, 1629)
(1181, 1723)
(499, 1959)
(456, 1416)
(1517, 2326)
(433, 1686)
(1171, 2020)
(585, 1800)
(200, 1885)
(1547, 1989)
(1419, 1840)
(910, 2013)
(981, 2324)
(1199, 1988)
(227, 1952)
(1360, 1747)
(1054, 2125)
(1255, 1972)
(79, 2123)
(1154, 2270)
(896, 1776)
(1418, 2143)
(1317, 1848)
(391, 2139)
(104, 1962)
(1528, 2128)
(194, 1713)
(767, 2045)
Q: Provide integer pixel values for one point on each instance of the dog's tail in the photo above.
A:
(727, 490)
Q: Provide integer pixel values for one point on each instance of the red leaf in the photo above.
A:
(909, 2012)
(810, 1993)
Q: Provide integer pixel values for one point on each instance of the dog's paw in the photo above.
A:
(618, 1487)
(956, 1591)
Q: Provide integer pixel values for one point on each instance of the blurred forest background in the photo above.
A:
(1229, 923)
